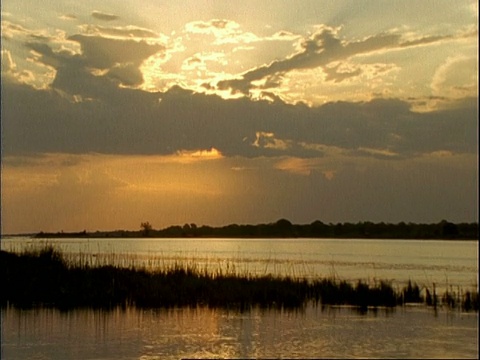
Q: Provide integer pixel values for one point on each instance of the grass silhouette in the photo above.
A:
(45, 278)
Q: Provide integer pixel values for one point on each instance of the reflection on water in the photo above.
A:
(202, 333)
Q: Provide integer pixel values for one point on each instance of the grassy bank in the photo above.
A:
(44, 278)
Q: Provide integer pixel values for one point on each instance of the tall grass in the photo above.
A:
(45, 277)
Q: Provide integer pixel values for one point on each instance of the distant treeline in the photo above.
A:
(283, 228)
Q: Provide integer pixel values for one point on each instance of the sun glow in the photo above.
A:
(198, 155)
(211, 112)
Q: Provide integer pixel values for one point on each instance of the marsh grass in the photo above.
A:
(46, 277)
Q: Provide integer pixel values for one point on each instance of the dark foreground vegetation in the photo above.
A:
(285, 229)
(44, 278)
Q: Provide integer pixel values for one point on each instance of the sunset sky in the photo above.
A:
(220, 112)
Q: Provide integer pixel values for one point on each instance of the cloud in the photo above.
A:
(113, 59)
(122, 32)
(267, 140)
(104, 16)
(380, 153)
(455, 77)
(228, 32)
(10, 30)
(128, 121)
(94, 102)
(324, 48)
(339, 72)
(224, 31)
(320, 49)
(8, 65)
(199, 60)
(103, 53)
(189, 156)
(12, 72)
(68, 17)
(300, 166)
(115, 53)
(215, 26)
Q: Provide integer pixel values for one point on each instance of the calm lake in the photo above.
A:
(405, 332)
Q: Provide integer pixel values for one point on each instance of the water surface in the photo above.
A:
(405, 332)
(206, 333)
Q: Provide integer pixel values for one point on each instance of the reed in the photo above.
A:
(44, 277)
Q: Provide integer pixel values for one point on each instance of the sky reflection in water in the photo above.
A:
(203, 332)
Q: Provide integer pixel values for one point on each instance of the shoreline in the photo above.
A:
(114, 235)
(284, 229)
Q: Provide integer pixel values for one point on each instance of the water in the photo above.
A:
(213, 333)
(406, 332)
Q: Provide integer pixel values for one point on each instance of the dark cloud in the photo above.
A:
(104, 16)
(120, 59)
(103, 53)
(87, 111)
(126, 121)
(422, 41)
(220, 24)
(215, 23)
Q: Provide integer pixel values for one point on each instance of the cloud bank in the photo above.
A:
(127, 121)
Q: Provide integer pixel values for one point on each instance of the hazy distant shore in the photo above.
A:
(283, 228)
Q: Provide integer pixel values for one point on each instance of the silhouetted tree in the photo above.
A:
(448, 229)
(146, 228)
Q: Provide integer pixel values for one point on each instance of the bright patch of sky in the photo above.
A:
(309, 51)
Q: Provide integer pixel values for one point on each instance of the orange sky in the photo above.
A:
(117, 113)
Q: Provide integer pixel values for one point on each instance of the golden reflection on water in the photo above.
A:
(205, 333)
